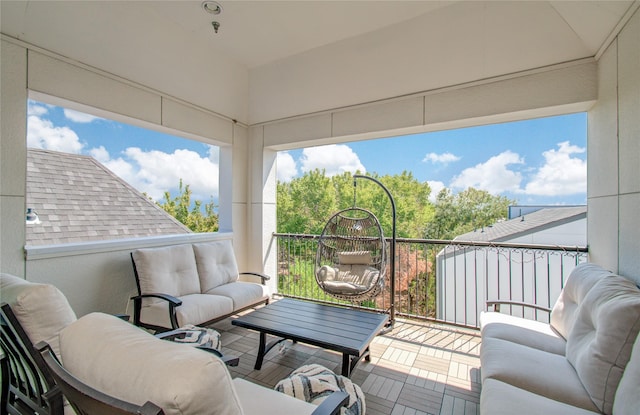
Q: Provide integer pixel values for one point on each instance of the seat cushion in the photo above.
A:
(627, 399)
(41, 309)
(580, 281)
(195, 309)
(243, 294)
(169, 270)
(542, 373)
(258, 400)
(315, 383)
(523, 331)
(600, 342)
(216, 264)
(499, 398)
(124, 361)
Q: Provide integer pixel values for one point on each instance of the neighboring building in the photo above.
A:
(507, 274)
(77, 199)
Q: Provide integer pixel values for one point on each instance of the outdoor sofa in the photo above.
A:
(585, 361)
(192, 284)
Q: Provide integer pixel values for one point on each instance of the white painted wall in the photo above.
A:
(568, 234)
(613, 186)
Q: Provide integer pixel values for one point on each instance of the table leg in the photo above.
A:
(263, 349)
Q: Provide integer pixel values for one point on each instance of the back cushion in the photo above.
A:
(355, 258)
(168, 270)
(580, 281)
(41, 309)
(216, 263)
(124, 361)
(600, 342)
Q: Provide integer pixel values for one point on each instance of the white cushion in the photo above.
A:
(580, 281)
(499, 398)
(600, 342)
(195, 309)
(41, 309)
(627, 400)
(545, 374)
(354, 258)
(242, 293)
(523, 331)
(258, 400)
(169, 270)
(216, 264)
(124, 361)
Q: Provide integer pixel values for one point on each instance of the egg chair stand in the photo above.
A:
(351, 260)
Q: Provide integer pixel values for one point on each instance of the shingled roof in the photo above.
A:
(79, 200)
(532, 222)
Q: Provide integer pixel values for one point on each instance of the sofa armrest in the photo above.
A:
(496, 305)
(171, 300)
(333, 404)
(263, 277)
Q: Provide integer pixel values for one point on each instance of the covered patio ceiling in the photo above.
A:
(167, 44)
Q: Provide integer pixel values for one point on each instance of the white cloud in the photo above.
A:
(100, 153)
(36, 109)
(43, 134)
(286, 167)
(435, 186)
(561, 173)
(493, 176)
(334, 159)
(444, 158)
(79, 117)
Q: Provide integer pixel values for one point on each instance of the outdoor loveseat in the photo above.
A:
(584, 362)
(192, 284)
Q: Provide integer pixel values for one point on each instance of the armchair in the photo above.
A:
(131, 365)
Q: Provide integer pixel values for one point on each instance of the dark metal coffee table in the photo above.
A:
(344, 330)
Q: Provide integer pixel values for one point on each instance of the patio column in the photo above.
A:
(13, 157)
(262, 212)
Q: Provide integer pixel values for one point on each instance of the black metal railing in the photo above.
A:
(443, 280)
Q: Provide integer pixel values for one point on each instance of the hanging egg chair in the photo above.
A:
(351, 256)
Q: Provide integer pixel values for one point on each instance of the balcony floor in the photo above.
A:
(417, 368)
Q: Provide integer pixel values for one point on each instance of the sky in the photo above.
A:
(535, 162)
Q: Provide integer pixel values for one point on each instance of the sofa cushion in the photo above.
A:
(545, 374)
(254, 399)
(169, 270)
(124, 361)
(499, 398)
(216, 264)
(580, 281)
(627, 399)
(195, 309)
(523, 331)
(41, 309)
(600, 342)
(242, 293)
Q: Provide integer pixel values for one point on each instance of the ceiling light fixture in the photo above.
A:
(212, 7)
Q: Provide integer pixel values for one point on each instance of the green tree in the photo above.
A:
(465, 211)
(180, 207)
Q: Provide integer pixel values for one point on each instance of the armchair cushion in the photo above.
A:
(627, 399)
(41, 309)
(580, 281)
(216, 264)
(168, 270)
(128, 363)
(600, 343)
